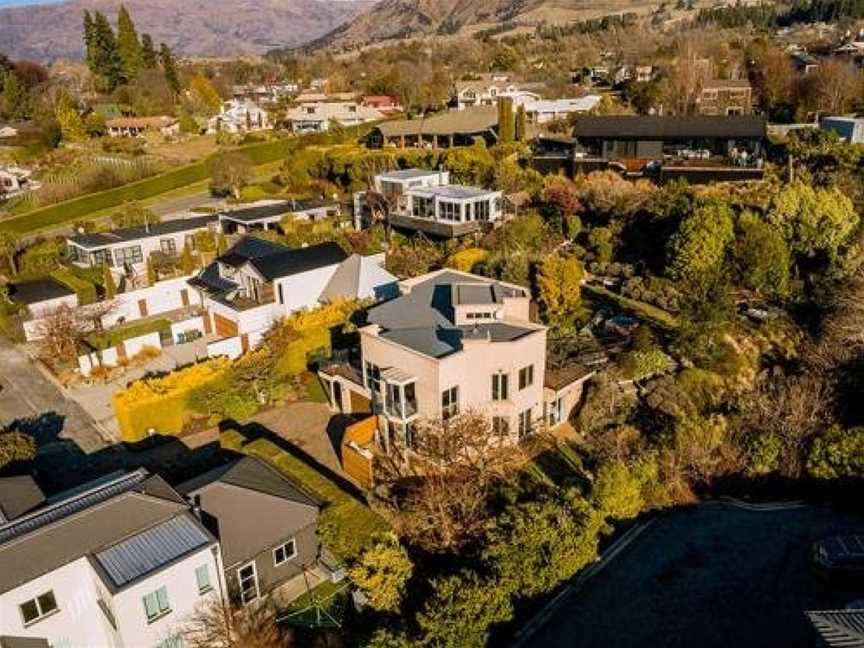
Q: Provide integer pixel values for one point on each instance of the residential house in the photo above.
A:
(385, 104)
(321, 97)
(318, 117)
(425, 201)
(239, 117)
(266, 525)
(454, 342)
(140, 126)
(257, 283)
(41, 296)
(725, 97)
(265, 215)
(849, 129)
(543, 111)
(805, 64)
(837, 628)
(264, 93)
(447, 129)
(121, 561)
(627, 137)
(488, 88)
(15, 181)
(128, 249)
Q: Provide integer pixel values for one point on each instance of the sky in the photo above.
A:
(17, 3)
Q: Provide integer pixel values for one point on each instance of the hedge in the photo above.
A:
(77, 208)
(85, 290)
(346, 524)
(640, 309)
(117, 335)
(162, 404)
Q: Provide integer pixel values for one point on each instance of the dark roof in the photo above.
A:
(839, 628)
(38, 290)
(249, 248)
(557, 378)
(669, 127)
(23, 642)
(255, 506)
(260, 212)
(455, 122)
(210, 280)
(289, 262)
(127, 234)
(82, 522)
(18, 495)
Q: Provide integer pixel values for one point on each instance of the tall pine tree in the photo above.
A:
(89, 39)
(505, 120)
(169, 65)
(149, 57)
(128, 45)
(521, 124)
(106, 58)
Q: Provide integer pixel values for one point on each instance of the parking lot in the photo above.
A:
(712, 576)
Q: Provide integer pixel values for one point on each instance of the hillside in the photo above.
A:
(194, 27)
(405, 18)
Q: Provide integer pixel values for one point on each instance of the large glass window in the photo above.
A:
(156, 604)
(525, 424)
(131, 254)
(423, 207)
(102, 257)
(410, 400)
(449, 211)
(247, 579)
(526, 377)
(500, 427)
(38, 608)
(481, 210)
(168, 246)
(500, 386)
(449, 403)
(202, 577)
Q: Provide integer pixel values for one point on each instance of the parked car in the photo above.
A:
(840, 556)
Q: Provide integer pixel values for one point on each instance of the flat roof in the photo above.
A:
(459, 192)
(38, 290)
(669, 127)
(409, 174)
(270, 211)
(140, 232)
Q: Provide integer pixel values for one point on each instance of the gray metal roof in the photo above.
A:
(458, 192)
(38, 290)
(18, 495)
(839, 628)
(408, 174)
(668, 127)
(129, 560)
(98, 240)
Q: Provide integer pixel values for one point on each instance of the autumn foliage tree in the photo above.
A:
(559, 285)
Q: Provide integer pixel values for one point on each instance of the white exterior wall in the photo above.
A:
(230, 347)
(161, 297)
(79, 621)
(183, 598)
(303, 290)
(41, 308)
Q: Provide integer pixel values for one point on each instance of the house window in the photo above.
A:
(285, 552)
(449, 211)
(526, 377)
(174, 641)
(373, 377)
(38, 608)
(481, 210)
(202, 577)
(500, 386)
(525, 424)
(500, 427)
(168, 246)
(156, 604)
(411, 436)
(449, 403)
(102, 257)
(131, 254)
(247, 578)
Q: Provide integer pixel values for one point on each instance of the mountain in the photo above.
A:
(47, 32)
(390, 19)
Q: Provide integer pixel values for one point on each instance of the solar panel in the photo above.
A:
(151, 549)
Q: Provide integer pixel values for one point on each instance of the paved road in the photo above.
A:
(715, 576)
(28, 397)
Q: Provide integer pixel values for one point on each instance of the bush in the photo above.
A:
(85, 290)
(837, 455)
(42, 257)
(466, 260)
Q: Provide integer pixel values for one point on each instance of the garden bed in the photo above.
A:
(651, 313)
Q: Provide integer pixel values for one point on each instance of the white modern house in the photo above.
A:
(239, 116)
(486, 89)
(119, 562)
(422, 200)
(543, 111)
(317, 117)
(257, 283)
(15, 181)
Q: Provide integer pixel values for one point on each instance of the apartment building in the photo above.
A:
(425, 201)
(118, 562)
(127, 249)
(256, 283)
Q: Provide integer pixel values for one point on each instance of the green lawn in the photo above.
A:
(119, 334)
(346, 524)
(324, 595)
(656, 315)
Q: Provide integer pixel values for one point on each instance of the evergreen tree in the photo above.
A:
(89, 39)
(505, 120)
(108, 282)
(521, 124)
(151, 272)
(16, 99)
(149, 56)
(128, 45)
(169, 65)
(71, 124)
(106, 59)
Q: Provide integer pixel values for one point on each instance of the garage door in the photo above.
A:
(224, 327)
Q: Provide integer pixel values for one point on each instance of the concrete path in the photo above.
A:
(29, 397)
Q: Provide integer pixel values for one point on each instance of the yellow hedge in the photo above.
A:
(465, 260)
(162, 404)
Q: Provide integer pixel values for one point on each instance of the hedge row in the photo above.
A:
(78, 208)
(85, 290)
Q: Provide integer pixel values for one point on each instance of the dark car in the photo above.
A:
(840, 555)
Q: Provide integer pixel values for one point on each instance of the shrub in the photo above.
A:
(41, 257)
(466, 260)
(382, 572)
(85, 290)
(839, 454)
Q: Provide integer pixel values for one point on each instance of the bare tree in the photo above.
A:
(833, 87)
(215, 624)
(62, 330)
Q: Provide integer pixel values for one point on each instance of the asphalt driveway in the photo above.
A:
(714, 576)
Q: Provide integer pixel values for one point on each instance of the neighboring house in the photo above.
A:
(140, 126)
(8, 131)
(426, 201)
(266, 215)
(42, 296)
(239, 117)
(626, 137)
(265, 93)
(447, 129)
(319, 117)
(487, 89)
(257, 283)
(543, 111)
(805, 64)
(849, 129)
(15, 181)
(725, 97)
(837, 628)
(128, 249)
(455, 342)
(121, 561)
(266, 525)
(385, 104)
(18, 496)
(851, 49)
(320, 97)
